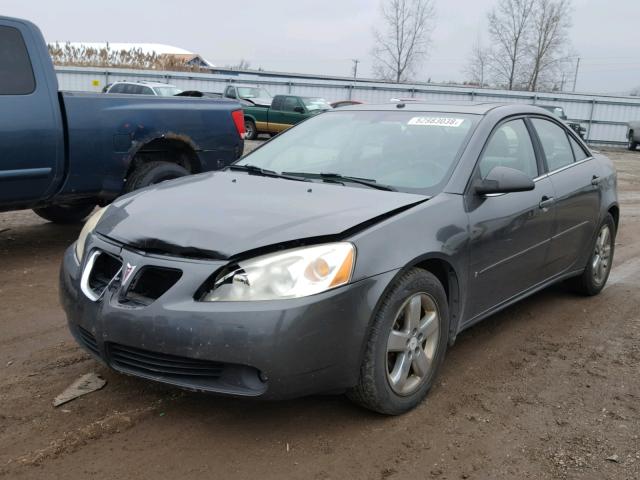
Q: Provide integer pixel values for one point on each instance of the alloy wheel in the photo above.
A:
(412, 343)
(601, 260)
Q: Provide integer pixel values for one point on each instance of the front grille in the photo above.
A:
(88, 340)
(101, 269)
(150, 284)
(154, 364)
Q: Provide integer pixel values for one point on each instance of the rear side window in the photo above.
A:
(117, 88)
(578, 151)
(555, 144)
(16, 74)
(510, 146)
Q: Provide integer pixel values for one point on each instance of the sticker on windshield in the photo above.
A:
(436, 121)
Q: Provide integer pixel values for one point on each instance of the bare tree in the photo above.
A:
(508, 28)
(548, 42)
(477, 68)
(405, 38)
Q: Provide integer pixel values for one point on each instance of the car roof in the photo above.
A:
(477, 108)
(145, 83)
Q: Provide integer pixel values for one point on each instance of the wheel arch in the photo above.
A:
(444, 270)
(614, 211)
(171, 147)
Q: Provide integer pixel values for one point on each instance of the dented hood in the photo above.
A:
(223, 214)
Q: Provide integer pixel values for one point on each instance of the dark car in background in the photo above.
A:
(559, 112)
(61, 154)
(343, 255)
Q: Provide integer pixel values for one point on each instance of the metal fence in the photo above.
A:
(605, 117)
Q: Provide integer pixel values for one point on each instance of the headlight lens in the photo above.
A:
(86, 230)
(289, 274)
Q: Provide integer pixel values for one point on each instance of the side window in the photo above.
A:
(555, 144)
(147, 91)
(510, 146)
(128, 88)
(117, 88)
(16, 74)
(578, 151)
(290, 103)
(230, 93)
(276, 103)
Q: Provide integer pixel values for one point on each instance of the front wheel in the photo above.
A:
(65, 213)
(251, 133)
(406, 346)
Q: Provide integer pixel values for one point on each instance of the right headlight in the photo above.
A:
(294, 273)
(89, 226)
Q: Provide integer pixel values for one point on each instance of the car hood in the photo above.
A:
(261, 102)
(223, 214)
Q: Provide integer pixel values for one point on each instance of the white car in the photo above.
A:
(143, 88)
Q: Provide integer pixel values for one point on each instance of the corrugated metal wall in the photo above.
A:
(604, 116)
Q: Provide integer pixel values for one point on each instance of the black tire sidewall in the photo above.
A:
(155, 172)
(414, 281)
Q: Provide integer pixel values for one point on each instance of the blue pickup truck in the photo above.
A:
(61, 154)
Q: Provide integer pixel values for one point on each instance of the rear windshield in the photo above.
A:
(411, 151)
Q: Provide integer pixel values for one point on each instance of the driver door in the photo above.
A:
(509, 233)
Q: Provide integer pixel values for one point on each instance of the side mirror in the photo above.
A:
(298, 110)
(504, 180)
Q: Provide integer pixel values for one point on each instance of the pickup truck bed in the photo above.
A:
(63, 153)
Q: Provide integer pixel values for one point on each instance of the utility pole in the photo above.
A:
(575, 78)
(355, 67)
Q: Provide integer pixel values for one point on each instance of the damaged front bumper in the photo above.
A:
(271, 349)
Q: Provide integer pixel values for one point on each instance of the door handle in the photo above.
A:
(595, 181)
(546, 202)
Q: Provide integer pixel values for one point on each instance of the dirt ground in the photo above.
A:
(549, 388)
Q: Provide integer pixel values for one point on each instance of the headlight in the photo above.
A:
(86, 230)
(289, 274)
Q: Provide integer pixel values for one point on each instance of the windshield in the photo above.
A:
(315, 103)
(251, 92)
(410, 151)
(167, 91)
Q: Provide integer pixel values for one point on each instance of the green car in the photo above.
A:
(284, 112)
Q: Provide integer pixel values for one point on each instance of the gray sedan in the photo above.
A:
(344, 255)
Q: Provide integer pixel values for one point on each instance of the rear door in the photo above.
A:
(510, 233)
(574, 176)
(31, 136)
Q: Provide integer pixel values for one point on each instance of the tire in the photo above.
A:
(251, 133)
(154, 172)
(632, 145)
(65, 213)
(592, 280)
(376, 389)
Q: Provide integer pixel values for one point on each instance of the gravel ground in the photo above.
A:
(549, 388)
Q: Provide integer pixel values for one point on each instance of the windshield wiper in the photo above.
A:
(253, 170)
(338, 178)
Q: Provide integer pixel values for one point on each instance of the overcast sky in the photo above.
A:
(323, 36)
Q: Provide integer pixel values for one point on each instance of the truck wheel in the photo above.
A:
(152, 173)
(251, 133)
(65, 213)
(632, 145)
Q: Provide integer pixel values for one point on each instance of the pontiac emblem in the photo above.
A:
(128, 272)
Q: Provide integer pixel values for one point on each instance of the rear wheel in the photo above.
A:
(595, 275)
(251, 133)
(406, 346)
(154, 172)
(632, 145)
(65, 213)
